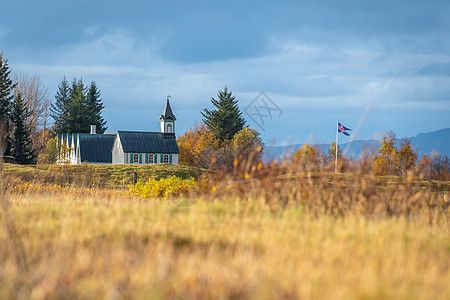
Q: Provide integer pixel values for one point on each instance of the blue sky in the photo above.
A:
(376, 66)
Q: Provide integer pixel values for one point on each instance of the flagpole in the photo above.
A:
(336, 145)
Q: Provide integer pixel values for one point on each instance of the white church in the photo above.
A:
(123, 147)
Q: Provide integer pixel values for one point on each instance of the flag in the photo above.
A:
(342, 129)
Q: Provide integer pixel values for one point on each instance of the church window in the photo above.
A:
(169, 128)
(135, 158)
(166, 158)
(150, 158)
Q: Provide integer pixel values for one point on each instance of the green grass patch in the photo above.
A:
(108, 176)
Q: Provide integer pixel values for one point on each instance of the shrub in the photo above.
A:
(166, 187)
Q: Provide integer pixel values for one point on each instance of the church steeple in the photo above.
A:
(167, 119)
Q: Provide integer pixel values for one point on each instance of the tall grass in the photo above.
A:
(259, 233)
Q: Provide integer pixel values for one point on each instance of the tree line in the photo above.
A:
(222, 138)
(77, 107)
(393, 157)
(16, 141)
(223, 141)
(25, 110)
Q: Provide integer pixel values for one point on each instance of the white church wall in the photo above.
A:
(175, 159)
(118, 156)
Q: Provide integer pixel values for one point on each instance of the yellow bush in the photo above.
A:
(165, 187)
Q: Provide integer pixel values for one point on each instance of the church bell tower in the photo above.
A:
(167, 119)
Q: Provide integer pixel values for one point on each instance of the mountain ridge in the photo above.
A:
(423, 143)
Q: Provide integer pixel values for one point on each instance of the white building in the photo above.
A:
(125, 147)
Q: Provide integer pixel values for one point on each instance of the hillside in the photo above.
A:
(109, 176)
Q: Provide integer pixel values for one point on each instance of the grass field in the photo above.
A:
(321, 236)
(102, 176)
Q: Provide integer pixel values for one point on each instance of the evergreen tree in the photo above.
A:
(77, 113)
(6, 96)
(59, 110)
(22, 143)
(77, 108)
(95, 107)
(225, 121)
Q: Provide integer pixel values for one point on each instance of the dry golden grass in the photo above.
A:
(279, 237)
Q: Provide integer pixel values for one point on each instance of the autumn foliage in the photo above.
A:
(391, 160)
(200, 148)
(194, 142)
(393, 157)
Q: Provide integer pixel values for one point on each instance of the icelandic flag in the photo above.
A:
(342, 129)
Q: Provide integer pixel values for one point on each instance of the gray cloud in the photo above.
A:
(318, 60)
(436, 69)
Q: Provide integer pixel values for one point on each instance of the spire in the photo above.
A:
(167, 114)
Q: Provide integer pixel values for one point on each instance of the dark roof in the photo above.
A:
(167, 113)
(148, 142)
(68, 138)
(96, 147)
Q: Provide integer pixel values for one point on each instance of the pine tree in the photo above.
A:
(6, 96)
(77, 108)
(95, 107)
(77, 113)
(226, 120)
(22, 143)
(59, 110)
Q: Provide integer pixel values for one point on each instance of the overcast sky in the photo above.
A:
(374, 65)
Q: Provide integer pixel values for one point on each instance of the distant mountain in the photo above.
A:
(438, 141)
(423, 143)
